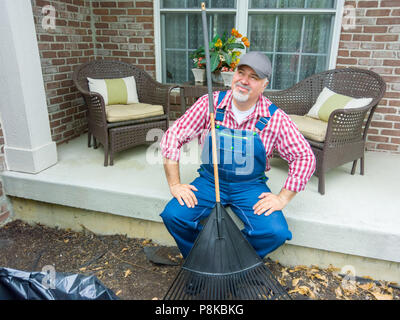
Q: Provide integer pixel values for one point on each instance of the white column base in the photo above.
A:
(30, 160)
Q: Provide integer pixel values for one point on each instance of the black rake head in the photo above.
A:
(223, 265)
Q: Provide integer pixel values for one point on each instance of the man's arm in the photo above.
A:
(182, 192)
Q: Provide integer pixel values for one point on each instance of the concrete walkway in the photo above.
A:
(358, 215)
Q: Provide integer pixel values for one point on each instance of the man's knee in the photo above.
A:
(170, 211)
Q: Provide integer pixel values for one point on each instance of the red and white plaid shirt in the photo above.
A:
(280, 133)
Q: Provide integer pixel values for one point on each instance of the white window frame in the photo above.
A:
(242, 14)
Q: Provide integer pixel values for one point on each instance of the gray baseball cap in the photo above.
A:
(259, 62)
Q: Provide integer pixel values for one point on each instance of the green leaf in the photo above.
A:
(231, 46)
(214, 61)
(215, 39)
(228, 58)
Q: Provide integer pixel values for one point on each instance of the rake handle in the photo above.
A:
(210, 101)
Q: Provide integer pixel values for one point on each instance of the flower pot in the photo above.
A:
(216, 77)
(227, 77)
(199, 75)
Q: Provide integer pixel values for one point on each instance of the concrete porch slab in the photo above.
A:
(358, 215)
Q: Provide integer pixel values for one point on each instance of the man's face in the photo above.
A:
(246, 85)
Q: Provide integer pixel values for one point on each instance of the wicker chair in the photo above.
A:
(345, 137)
(118, 136)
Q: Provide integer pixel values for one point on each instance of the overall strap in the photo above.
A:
(263, 121)
(220, 113)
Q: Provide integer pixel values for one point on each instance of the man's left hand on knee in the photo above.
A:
(270, 202)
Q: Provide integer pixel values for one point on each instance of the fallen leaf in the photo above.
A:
(124, 249)
(172, 258)
(146, 242)
(331, 268)
(366, 286)
(127, 273)
(295, 282)
(155, 298)
(381, 296)
(82, 269)
(307, 292)
(338, 292)
(118, 292)
(66, 240)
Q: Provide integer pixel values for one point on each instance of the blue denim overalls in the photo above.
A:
(241, 168)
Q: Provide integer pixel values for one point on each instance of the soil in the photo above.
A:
(122, 265)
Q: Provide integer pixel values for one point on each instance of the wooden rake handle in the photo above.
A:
(210, 102)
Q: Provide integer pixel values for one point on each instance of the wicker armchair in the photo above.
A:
(345, 137)
(118, 136)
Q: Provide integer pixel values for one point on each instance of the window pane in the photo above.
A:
(174, 71)
(172, 3)
(220, 23)
(289, 33)
(175, 31)
(184, 31)
(263, 4)
(196, 4)
(311, 65)
(291, 3)
(221, 3)
(283, 76)
(290, 39)
(327, 4)
(262, 32)
(282, 4)
(316, 34)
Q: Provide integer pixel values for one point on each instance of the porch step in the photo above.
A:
(358, 215)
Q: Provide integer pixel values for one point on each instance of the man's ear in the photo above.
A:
(266, 83)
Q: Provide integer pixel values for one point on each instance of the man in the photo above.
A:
(248, 128)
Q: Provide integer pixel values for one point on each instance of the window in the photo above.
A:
(299, 36)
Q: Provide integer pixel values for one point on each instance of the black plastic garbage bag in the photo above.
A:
(22, 285)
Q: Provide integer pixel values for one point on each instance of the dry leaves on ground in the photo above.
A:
(313, 282)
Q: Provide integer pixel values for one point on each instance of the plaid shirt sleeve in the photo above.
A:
(189, 126)
(295, 149)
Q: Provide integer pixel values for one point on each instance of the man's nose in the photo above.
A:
(244, 79)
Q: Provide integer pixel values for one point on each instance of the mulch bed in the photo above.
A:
(121, 264)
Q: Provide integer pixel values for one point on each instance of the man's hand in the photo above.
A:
(184, 194)
(270, 202)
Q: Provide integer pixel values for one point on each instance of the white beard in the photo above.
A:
(239, 96)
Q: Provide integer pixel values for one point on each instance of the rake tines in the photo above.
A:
(253, 284)
(224, 267)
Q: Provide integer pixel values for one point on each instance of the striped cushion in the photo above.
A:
(328, 101)
(115, 91)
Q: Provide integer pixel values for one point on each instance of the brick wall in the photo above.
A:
(124, 30)
(61, 49)
(374, 44)
(85, 30)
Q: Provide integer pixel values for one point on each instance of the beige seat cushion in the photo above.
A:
(311, 128)
(123, 112)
